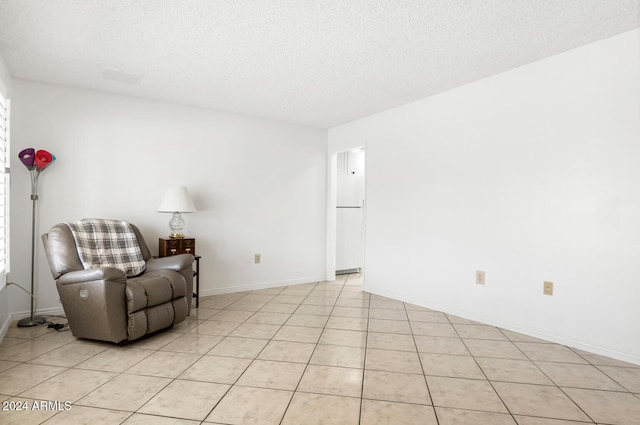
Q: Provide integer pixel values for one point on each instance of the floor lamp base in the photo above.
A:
(31, 321)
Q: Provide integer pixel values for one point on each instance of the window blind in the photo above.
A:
(4, 187)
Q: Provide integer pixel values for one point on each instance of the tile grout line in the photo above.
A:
(424, 374)
(364, 358)
(483, 371)
(295, 390)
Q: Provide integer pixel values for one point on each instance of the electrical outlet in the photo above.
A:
(548, 288)
(257, 258)
(479, 277)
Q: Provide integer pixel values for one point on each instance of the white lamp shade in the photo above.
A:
(177, 199)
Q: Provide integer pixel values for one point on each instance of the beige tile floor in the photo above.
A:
(311, 354)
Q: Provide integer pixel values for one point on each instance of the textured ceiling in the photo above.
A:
(314, 62)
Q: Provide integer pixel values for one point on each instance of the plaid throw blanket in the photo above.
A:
(108, 243)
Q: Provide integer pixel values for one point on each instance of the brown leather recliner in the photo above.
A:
(103, 304)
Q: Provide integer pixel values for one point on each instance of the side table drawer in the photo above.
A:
(168, 247)
(189, 246)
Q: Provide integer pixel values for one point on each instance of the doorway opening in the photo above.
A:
(349, 211)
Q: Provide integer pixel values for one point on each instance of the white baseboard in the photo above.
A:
(22, 314)
(54, 311)
(569, 342)
(255, 286)
(5, 327)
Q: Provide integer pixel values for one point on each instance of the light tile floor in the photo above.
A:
(311, 354)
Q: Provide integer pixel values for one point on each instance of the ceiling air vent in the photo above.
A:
(121, 76)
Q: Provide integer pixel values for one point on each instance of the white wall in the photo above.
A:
(530, 175)
(259, 185)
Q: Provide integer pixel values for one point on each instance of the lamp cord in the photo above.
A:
(57, 326)
(34, 300)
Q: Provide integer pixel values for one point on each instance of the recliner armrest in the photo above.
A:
(174, 262)
(88, 275)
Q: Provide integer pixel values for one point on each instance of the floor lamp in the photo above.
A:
(35, 162)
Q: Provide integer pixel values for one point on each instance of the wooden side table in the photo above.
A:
(168, 247)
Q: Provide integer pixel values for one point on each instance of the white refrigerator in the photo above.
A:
(350, 212)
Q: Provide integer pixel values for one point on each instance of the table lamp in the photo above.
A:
(176, 200)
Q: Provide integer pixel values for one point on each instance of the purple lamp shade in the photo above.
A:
(44, 159)
(28, 157)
